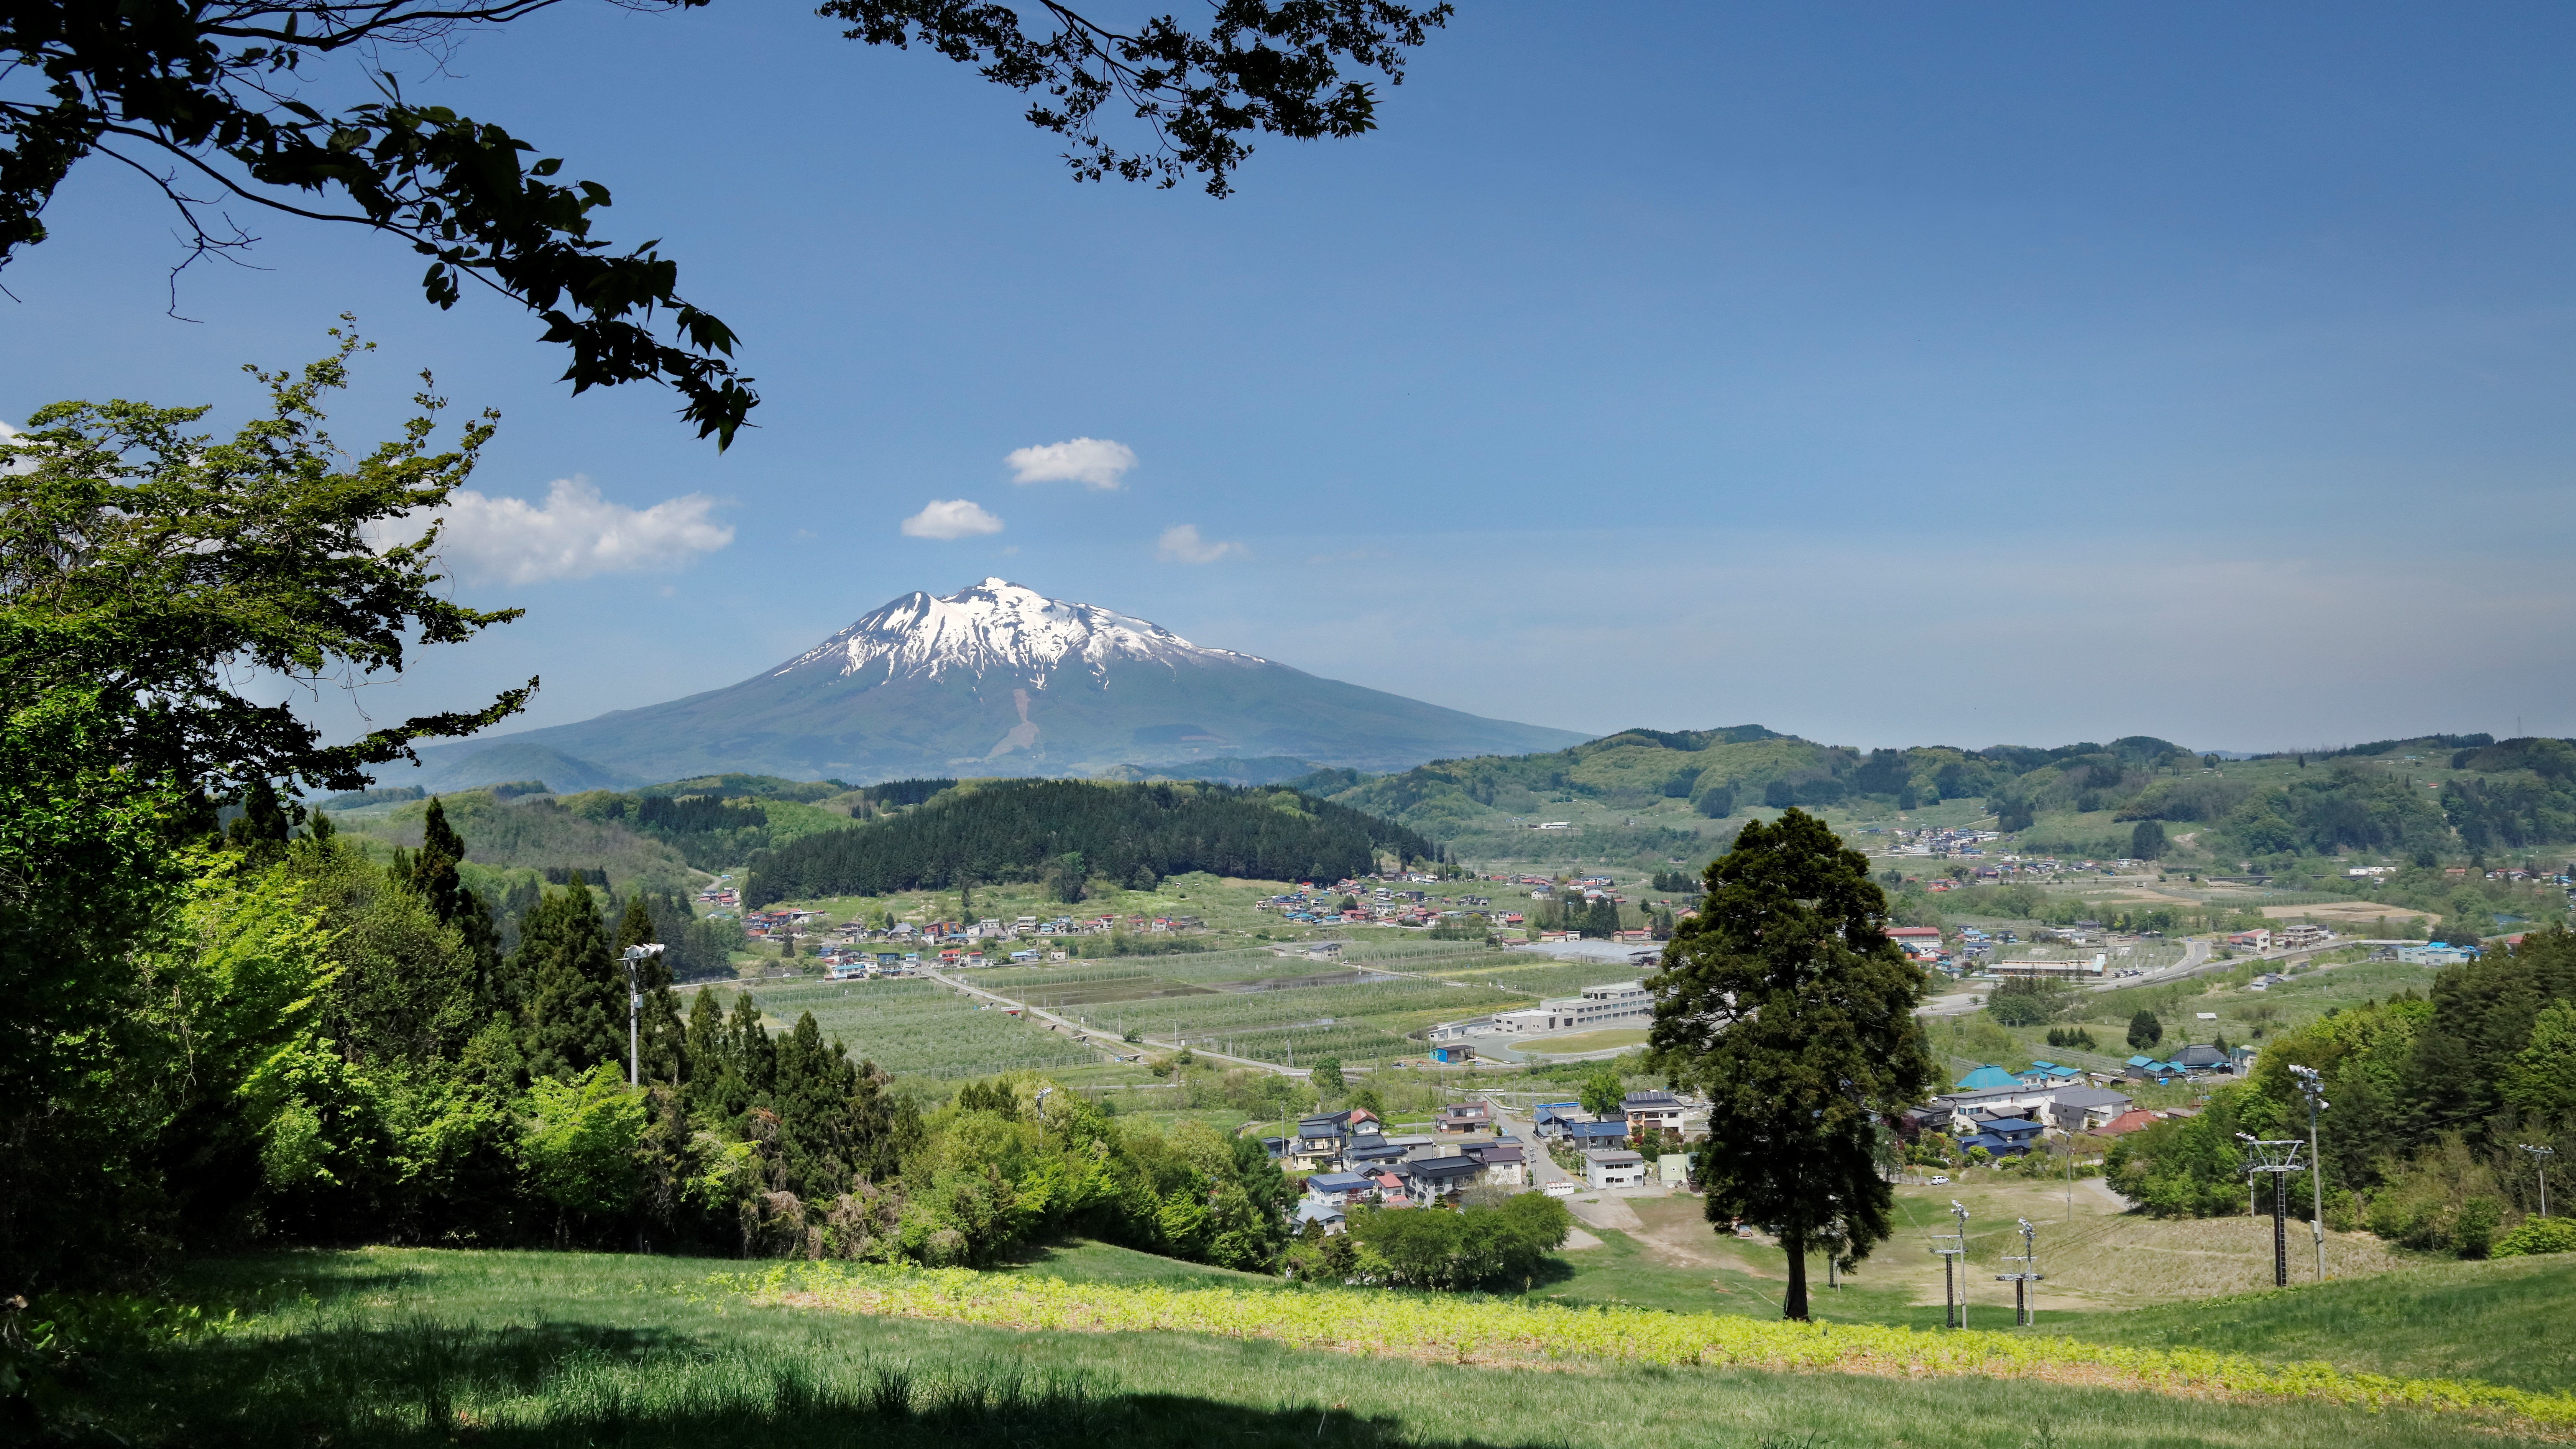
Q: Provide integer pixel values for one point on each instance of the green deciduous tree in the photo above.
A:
(1602, 1094)
(209, 101)
(1785, 1003)
(579, 1142)
(156, 571)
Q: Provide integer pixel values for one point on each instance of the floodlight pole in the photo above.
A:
(635, 1009)
(2312, 1087)
(2540, 1158)
(1954, 1309)
(2021, 1281)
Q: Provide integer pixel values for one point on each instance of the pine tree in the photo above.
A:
(435, 874)
(2145, 1031)
(575, 1014)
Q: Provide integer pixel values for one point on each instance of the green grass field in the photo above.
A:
(531, 1351)
(2507, 1322)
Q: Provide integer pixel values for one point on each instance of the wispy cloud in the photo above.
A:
(950, 518)
(574, 534)
(1181, 543)
(1091, 462)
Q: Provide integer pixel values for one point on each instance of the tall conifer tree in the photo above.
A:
(1786, 1004)
(575, 1015)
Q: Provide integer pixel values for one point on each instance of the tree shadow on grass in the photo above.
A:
(572, 1386)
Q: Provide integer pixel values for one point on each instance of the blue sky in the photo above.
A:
(1888, 374)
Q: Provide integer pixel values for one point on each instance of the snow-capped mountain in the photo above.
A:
(999, 626)
(999, 679)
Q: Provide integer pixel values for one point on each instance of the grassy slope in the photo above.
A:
(2509, 1322)
(417, 1347)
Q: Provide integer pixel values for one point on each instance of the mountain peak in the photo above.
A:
(997, 626)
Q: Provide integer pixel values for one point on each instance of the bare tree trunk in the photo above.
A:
(1793, 1303)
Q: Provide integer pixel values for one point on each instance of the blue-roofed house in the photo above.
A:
(1613, 1133)
(1985, 1077)
(2148, 1069)
(1339, 1188)
(2008, 1137)
(2049, 1074)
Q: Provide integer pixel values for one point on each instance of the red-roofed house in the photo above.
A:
(1917, 940)
(2126, 1122)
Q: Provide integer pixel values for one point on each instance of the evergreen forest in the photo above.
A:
(1072, 831)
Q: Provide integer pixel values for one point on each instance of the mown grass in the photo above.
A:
(2508, 1322)
(532, 1351)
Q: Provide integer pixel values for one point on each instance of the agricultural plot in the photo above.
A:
(919, 1028)
(1397, 1006)
(1524, 975)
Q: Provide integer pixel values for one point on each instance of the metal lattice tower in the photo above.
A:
(2279, 1157)
(1953, 1248)
(2021, 1281)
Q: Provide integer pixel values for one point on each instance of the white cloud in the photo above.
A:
(1091, 462)
(573, 535)
(1181, 543)
(950, 518)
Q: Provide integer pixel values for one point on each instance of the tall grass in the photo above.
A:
(416, 1348)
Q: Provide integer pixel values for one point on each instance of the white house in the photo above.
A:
(1614, 1169)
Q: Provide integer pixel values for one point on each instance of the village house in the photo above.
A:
(1653, 1109)
(1505, 1163)
(1613, 1168)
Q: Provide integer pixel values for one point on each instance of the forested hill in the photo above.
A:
(2427, 798)
(1070, 831)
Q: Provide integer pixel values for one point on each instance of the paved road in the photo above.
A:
(1543, 1168)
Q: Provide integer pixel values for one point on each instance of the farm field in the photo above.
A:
(535, 1350)
(917, 1028)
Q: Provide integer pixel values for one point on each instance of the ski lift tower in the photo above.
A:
(2021, 1281)
(2280, 1158)
(1953, 1248)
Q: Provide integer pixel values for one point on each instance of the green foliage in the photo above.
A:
(201, 561)
(1010, 830)
(1785, 1003)
(1502, 1244)
(1328, 1075)
(2029, 1000)
(2187, 1167)
(580, 1141)
(2473, 1231)
(2145, 1031)
(1603, 1093)
(2535, 1236)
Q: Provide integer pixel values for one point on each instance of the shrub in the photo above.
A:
(2538, 1235)
(2473, 1229)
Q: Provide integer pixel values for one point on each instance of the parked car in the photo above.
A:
(1941, 1181)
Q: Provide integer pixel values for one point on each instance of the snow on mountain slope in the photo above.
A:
(998, 626)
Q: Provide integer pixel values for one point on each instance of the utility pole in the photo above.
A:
(2540, 1158)
(2312, 1087)
(635, 1009)
(1954, 1313)
(2021, 1281)
(2280, 1158)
